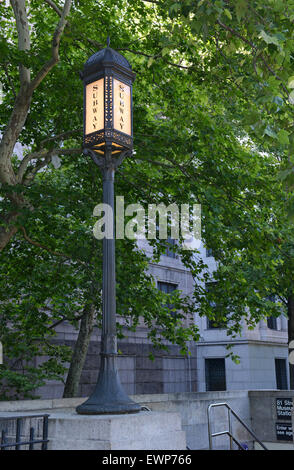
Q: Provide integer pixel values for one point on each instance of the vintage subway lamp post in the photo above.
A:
(108, 138)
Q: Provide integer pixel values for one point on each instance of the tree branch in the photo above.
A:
(62, 136)
(55, 47)
(261, 56)
(46, 155)
(23, 33)
(54, 6)
(8, 228)
(155, 162)
(25, 161)
(152, 1)
(136, 52)
(22, 100)
(235, 33)
(58, 322)
(44, 247)
(41, 164)
(156, 57)
(51, 327)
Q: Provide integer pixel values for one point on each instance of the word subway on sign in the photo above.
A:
(122, 107)
(95, 106)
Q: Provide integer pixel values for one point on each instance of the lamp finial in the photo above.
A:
(108, 41)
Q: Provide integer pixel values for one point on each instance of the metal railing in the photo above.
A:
(228, 432)
(17, 441)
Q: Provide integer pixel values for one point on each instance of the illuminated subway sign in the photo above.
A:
(122, 107)
(94, 106)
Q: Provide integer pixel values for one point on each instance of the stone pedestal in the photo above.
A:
(141, 431)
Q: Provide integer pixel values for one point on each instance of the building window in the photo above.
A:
(170, 243)
(167, 288)
(209, 252)
(213, 324)
(281, 374)
(272, 323)
(215, 374)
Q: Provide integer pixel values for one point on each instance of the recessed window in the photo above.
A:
(215, 374)
(281, 374)
(167, 288)
(211, 323)
(272, 323)
(215, 324)
(170, 251)
(209, 252)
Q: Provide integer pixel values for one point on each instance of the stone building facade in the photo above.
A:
(263, 352)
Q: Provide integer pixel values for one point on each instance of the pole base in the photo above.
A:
(108, 397)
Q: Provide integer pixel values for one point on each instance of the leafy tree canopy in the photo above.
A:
(213, 117)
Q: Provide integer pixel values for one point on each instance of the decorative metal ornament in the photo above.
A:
(108, 119)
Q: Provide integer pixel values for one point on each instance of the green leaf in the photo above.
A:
(251, 118)
(291, 97)
(241, 8)
(150, 62)
(283, 137)
(291, 82)
(228, 13)
(175, 7)
(270, 132)
(165, 51)
(269, 39)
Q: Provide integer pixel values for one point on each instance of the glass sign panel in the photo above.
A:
(122, 107)
(94, 106)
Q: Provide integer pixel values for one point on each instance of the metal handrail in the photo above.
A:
(229, 431)
(26, 442)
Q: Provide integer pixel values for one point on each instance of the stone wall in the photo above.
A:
(193, 410)
(256, 408)
(191, 407)
(257, 363)
(169, 372)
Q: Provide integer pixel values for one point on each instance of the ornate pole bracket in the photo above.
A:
(107, 161)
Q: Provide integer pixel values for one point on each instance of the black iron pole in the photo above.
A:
(109, 396)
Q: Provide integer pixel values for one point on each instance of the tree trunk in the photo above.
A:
(8, 228)
(291, 335)
(79, 353)
(5, 235)
(23, 100)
